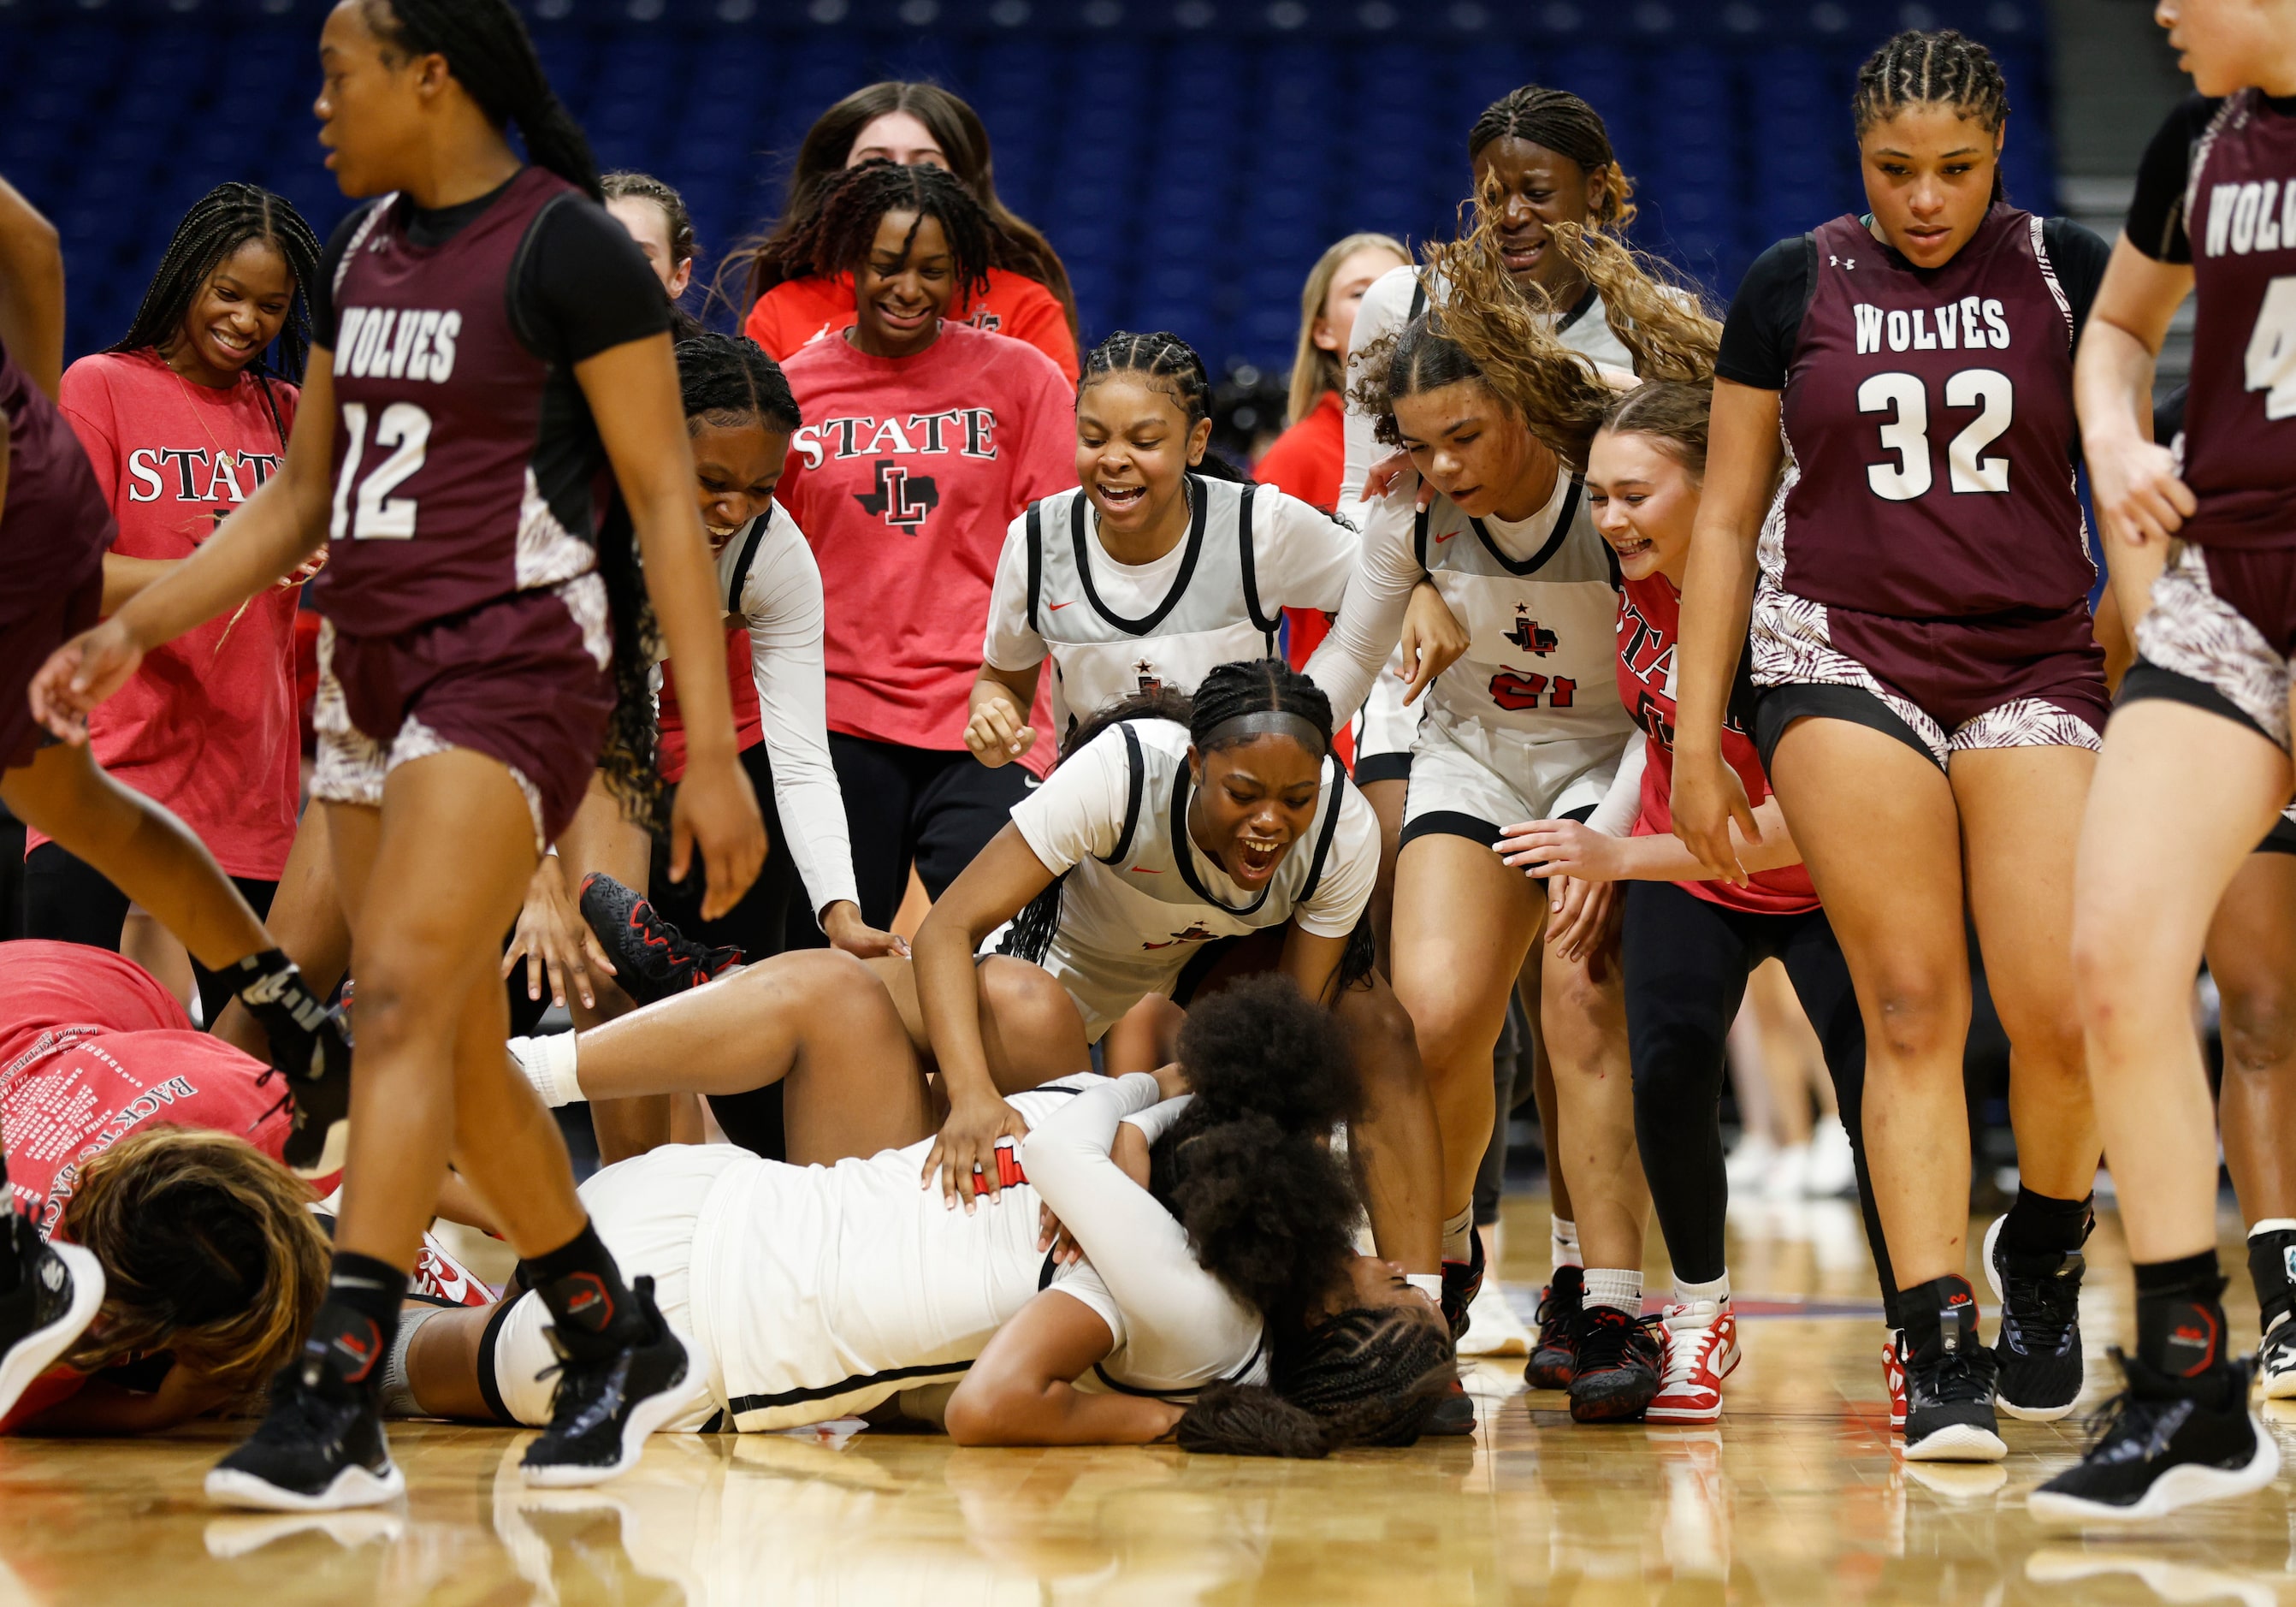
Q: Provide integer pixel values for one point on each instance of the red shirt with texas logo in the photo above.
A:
(904, 477)
(1650, 615)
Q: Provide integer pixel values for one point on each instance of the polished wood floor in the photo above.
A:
(1795, 1498)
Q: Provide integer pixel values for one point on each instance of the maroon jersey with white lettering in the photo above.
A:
(454, 486)
(2239, 442)
(1931, 418)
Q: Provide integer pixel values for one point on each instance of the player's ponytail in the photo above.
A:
(1169, 365)
(493, 58)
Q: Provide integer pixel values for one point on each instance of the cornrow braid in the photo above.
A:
(1167, 364)
(492, 56)
(1945, 68)
(221, 221)
(724, 379)
(838, 235)
(1567, 126)
(1369, 1377)
(624, 185)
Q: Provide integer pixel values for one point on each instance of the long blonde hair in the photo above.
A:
(1314, 370)
(208, 1249)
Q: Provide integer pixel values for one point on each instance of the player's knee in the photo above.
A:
(1032, 1010)
(1918, 1014)
(2260, 1028)
(1386, 1042)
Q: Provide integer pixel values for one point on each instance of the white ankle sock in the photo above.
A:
(2273, 1224)
(1459, 1236)
(1562, 1242)
(1690, 1294)
(1430, 1284)
(1618, 1286)
(398, 1393)
(548, 1064)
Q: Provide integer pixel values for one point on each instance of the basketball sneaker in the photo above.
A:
(2039, 1348)
(320, 1447)
(1461, 1283)
(606, 1406)
(1454, 1416)
(1700, 1344)
(54, 1293)
(2161, 1443)
(1615, 1375)
(1949, 1383)
(1551, 1352)
(1893, 1377)
(652, 959)
(2276, 1359)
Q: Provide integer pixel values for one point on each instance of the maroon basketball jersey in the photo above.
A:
(443, 499)
(54, 528)
(2239, 442)
(1930, 418)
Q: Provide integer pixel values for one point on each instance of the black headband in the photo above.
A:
(1267, 722)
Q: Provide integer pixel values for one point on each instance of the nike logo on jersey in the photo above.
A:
(2251, 217)
(1446, 536)
(1952, 327)
(1146, 870)
(392, 342)
(1057, 607)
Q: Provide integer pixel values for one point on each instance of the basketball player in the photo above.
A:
(54, 531)
(2197, 754)
(461, 328)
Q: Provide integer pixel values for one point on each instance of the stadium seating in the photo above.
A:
(1189, 157)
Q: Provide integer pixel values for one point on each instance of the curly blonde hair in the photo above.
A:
(208, 1249)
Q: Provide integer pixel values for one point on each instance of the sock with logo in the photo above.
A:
(2272, 1264)
(594, 1311)
(1562, 1242)
(1691, 1294)
(2180, 1321)
(351, 1336)
(1933, 1314)
(292, 1015)
(1459, 1236)
(1618, 1286)
(2039, 1223)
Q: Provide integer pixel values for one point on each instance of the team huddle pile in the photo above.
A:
(1659, 646)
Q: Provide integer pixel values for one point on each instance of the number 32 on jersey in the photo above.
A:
(1906, 432)
(371, 513)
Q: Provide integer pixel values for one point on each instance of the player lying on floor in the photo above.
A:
(187, 1258)
(1217, 1264)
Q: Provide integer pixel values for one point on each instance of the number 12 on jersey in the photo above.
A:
(1907, 433)
(377, 516)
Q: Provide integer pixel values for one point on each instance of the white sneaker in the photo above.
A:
(2275, 1360)
(1832, 1168)
(1701, 1350)
(1749, 1160)
(1492, 1327)
(1787, 1176)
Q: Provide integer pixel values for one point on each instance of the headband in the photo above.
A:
(1266, 722)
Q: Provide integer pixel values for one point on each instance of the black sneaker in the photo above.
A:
(311, 1047)
(1619, 1359)
(2159, 1445)
(605, 1408)
(319, 1449)
(652, 959)
(1462, 1281)
(1553, 1355)
(59, 1288)
(1453, 1416)
(1949, 1395)
(2039, 1348)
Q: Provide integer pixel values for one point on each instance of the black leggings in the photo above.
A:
(68, 899)
(1686, 961)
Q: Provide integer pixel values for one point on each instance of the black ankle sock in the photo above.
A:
(2039, 1223)
(269, 981)
(351, 1335)
(2180, 1320)
(2272, 1266)
(1939, 1316)
(593, 1310)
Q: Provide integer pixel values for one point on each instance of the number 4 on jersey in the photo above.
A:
(2271, 349)
(380, 517)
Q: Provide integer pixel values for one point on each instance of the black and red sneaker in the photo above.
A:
(1619, 1358)
(652, 959)
(1552, 1352)
(1462, 1281)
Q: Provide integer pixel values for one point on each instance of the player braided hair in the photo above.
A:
(1944, 67)
(492, 57)
(836, 238)
(209, 1250)
(221, 221)
(623, 184)
(1567, 126)
(1367, 1376)
(1169, 365)
(724, 380)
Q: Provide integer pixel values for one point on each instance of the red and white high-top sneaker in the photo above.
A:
(1701, 1350)
(1893, 1374)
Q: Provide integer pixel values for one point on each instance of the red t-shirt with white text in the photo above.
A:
(903, 478)
(207, 725)
(798, 312)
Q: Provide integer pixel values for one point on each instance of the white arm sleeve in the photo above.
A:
(1305, 555)
(1371, 619)
(781, 604)
(1614, 816)
(1012, 644)
(1156, 1121)
(1177, 1326)
(1384, 311)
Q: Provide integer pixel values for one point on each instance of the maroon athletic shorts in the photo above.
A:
(2219, 635)
(25, 645)
(2026, 679)
(523, 679)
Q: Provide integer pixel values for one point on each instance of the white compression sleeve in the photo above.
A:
(548, 1063)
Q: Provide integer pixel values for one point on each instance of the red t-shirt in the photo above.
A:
(1650, 618)
(798, 312)
(903, 478)
(207, 725)
(748, 719)
(1309, 460)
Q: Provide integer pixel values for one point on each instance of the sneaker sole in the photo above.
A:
(2177, 1488)
(644, 1418)
(1623, 1410)
(2029, 1414)
(39, 1350)
(1660, 1413)
(2280, 1386)
(353, 1487)
(1958, 1442)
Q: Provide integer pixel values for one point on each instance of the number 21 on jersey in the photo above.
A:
(1907, 433)
(377, 516)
